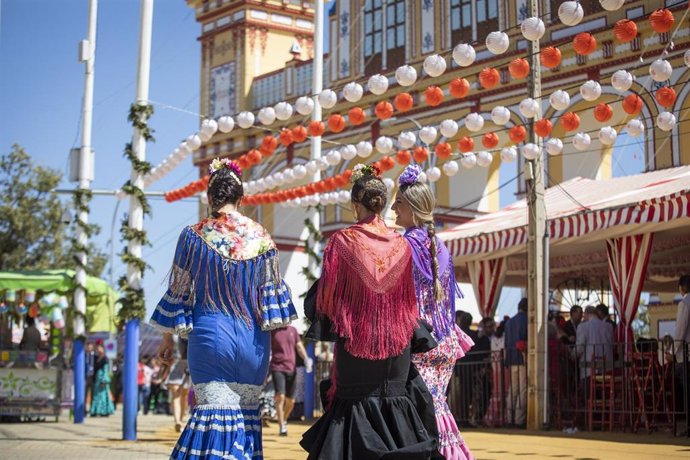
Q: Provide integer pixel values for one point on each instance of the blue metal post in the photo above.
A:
(79, 380)
(130, 389)
(309, 385)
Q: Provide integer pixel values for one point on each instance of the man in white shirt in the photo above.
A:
(681, 337)
(594, 342)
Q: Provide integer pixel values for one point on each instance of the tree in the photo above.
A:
(32, 234)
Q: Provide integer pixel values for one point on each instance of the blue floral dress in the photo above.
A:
(101, 403)
(225, 293)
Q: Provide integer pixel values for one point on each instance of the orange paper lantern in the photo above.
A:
(459, 87)
(666, 96)
(336, 123)
(466, 144)
(356, 116)
(519, 68)
(632, 104)
(625, 30)
(420, 154)
(310, 189)
(550, 57)
(584, 43)
(490, 140)
(489, 78)
(603, 112)
(321, 186)
(403, 102)
(384, 110)
(517, 134)
(403, 157)
(268, 145)
(543, 127)
(330, 183)
(433, 96)
(254, 157)
(387, 163)
(299, 134)
(443, 150)
(661, 20)
(570, 121)
(243, 162)
(316, 128)
(285, 137)
(347, 174)
(340, 180)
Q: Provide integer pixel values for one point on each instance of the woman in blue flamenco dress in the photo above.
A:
(225, 293)
(101, 403)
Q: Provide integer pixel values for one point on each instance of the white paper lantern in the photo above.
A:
(289, 176)
(660, 70)
(270, 182)
(322, 164)
(433, 174)
(607, 136)
(554, 146)
(328, 98)
(450, 168)
(389, 183)
(448, 128)
(184, 148)
(384, 145)
(348, 152)
(377, 84)
(353, 91)
(474, 122)
(497, 42)
(435, 65)
(571, 13)
(582, 141)
(468, 160)
(533, 28)
(205, 136)
(686, 58)
(364, 149)
(611, 5)
(297, 201)
(209, 126)
(422, 177)
(304, 105)
(529, 107)
(428, 134)
(178, 154)
(311, 167)
(279, 177)
(344, 196)
(267, 116)
(484, 158)
(531, 151)
(407, 139)
(406, 75)
(464, 55)
(300, 172)
(283, 110)
(590, 91)
(193, 141)
(635, 127)
(500, 115)
(621, 80)
(249, 188)
(559, 100)
(666, 121)
(333, 157)
(226, 124)
(245, 120)
(508, 154)
(261, 185)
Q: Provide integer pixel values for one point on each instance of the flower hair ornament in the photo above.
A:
(410, 175)
(218, 164)
(361, 170)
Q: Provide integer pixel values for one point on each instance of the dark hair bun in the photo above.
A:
(224, 187)
(370, 192)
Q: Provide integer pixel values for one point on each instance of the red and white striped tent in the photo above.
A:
(626, 233)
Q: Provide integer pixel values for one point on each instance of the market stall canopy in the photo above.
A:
(100, 301)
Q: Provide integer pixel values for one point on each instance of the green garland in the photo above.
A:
(313, 238)
(132, 303)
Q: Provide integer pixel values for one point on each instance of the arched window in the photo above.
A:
(472, 20)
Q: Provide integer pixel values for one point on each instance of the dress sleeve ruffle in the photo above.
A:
(465, 341)
(277, 309)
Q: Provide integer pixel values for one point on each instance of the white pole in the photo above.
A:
(317, 87)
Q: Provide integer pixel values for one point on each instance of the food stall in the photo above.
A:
(36, 379)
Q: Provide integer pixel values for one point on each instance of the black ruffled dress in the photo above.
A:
(381, 410)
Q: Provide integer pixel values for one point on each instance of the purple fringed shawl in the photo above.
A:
(440, 315)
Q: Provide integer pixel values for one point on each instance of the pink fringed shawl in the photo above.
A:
(367, 291)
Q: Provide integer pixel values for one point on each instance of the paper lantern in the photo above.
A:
(529, 108)
(570, 13)
(489, 78)
(226, 124)
(377, 84)
(356, 116)
(283, 111)
(584, 43)
(433, 174)
(550, 57)
(531, 151)
(406, 75)
(466, 144)
(389, 183)
(686, 58)
(459, 87)
(603, 112)
(450, 168)
(590, 91)
(607, 136)
(666, 121)
(193, 141)
(554, 146)
(448, 128)
(662, 20)
(433, 96)
(384, 145)
(209, 127)
(497, 42)
(519, 68)
(403, 102)
(328, 99)
(660, 70)
(428, 134)
(635, 127)
(611, 5)
(245, 120)
(304, 105)
(435, 65)
(443, 150)
(625, 30)
(508, 154)
(383, 110)
(468, 161)
(570, 121)
(205, 136)
(517, 134)
(348, 152)
(407, 139)
(336, 123)
(285, 137)
(279, 178)
(474, 122)
(353, 91)
(420, 154)
(543, 127)
(490, 140)
(632, 104)
(582, 141)
(403, 157)
(254, 157)
(364, 149)
(484, 159)
(299, 171)
(532, 29)
(270, 182)
(299, 134)
(316, 128)
(270, 143)
(621, 80)
(267, 116)
(464, 55)
(559, 100)
(500, 115)
(333, 157)
(666, 96)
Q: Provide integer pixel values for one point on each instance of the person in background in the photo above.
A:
(90, 373)
(570, 328)
(102, 403)
(144, 372)
(178, 383)
(516, 345)
(603, 312)
(481, 373)
(116, 383)
(464, 320)
(499, 380)
(156, 389)
(681, 336)
(594, 345)
(31, 339)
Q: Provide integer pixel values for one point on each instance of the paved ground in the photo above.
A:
(99, 438)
